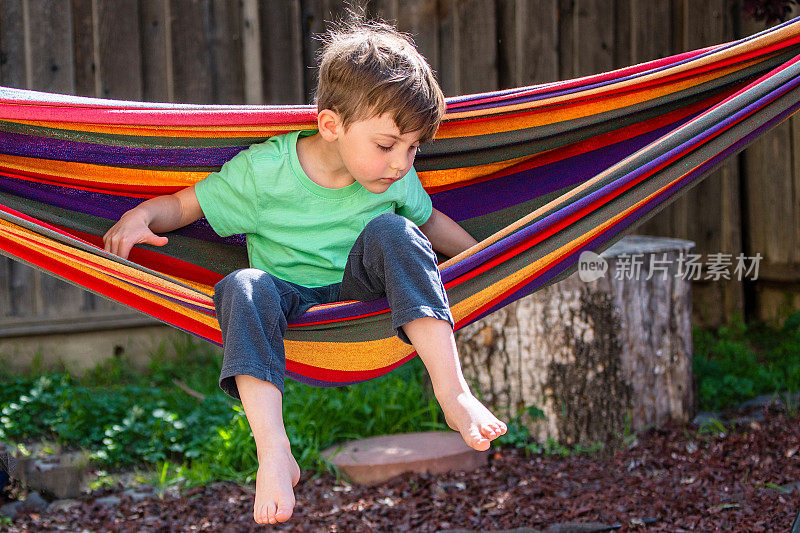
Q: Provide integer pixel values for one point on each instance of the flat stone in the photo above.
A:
(704, 417)
(34, 502)
(790, 487)
(138, 494)
(515, 530)
(377, 459)
(63, 505)
(60, 475)
(11, 509)
(108, 501)
(579, 527)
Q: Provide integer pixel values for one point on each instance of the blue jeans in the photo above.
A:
(390, 258)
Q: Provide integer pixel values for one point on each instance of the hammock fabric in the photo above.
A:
(538, 174)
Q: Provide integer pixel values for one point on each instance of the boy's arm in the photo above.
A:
(445, 235)
(159, 214)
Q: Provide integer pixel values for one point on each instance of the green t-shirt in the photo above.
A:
(296, 229)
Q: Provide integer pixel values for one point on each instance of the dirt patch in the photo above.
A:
(669, 480)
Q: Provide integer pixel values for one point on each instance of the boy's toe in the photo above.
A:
(260, 515)
(490, 431)
(271, 508)
(283, 514)
(477, 441)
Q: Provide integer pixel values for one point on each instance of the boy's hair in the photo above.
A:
(368, 68)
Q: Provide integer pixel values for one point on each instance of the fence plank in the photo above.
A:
(50, 27)
(12, 44)
(156, 46)
(527, 42)
(225, 46)
(83, 43)
(420, 19)
(120, 56)
(251, 53)
(317, 17)
(594, 36)
(5, 286)
(651, 26)
(469, 45)
(712, 209)
(22, 290)
(51, 46)
(191, 57)
(282, 61)
(448, 42)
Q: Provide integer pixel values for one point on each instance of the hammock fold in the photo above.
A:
(537, 174)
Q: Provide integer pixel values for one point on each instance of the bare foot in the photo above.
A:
(277, 473)
(473, 420)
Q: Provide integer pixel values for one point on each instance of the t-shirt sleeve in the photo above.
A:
(417, 207)
(229, 198)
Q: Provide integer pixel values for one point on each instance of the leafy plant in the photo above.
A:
(738, 362)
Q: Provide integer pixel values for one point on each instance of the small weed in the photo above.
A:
(712, 428)
(770, 485)
(739, 362)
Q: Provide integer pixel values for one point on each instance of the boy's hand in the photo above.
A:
(130, 230)
(162, 213)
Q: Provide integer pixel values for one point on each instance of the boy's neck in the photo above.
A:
(322, 163)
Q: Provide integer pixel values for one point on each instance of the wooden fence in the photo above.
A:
(246, 51)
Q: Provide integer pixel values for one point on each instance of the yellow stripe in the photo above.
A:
(260, 130)
(100, 174)
(544, 112)
(381, 353)
(88, 264)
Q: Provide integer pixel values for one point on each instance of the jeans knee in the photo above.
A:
(391, 229)
(247, 282)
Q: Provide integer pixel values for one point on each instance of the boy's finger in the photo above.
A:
(123, 250)
(155, 240)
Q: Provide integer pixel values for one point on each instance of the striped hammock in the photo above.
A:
(537, 174)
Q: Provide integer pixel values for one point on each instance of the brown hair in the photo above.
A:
(368, 68)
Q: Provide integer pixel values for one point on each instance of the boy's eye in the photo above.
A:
(384, 148)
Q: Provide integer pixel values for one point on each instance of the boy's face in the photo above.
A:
(375, 152)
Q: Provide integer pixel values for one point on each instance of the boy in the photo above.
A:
(333, 214)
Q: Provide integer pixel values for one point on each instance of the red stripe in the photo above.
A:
(162, 263)
(656, 82)
(593, 143)
(549, 231)
(341, 376)
(120, 189)
(111, 272)
(110, 290)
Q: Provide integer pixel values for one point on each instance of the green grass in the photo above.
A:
(125, 417)
(144, 419)
(739, 361)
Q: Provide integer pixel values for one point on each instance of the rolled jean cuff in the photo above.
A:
(227, 378)
(399, 319)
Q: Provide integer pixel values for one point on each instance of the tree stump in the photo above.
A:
(599, 357)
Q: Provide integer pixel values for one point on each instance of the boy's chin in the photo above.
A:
(378, 187)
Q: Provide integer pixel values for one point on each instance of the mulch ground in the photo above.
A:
(675, 479)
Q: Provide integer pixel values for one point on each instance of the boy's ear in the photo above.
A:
(329, 124)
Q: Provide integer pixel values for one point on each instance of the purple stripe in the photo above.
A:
(318, 383)
(514, 239)
(18, 144)
(106, 206)
(381, 305)
(501, 246)
(540, 96)
(520, 187)
(604, 237)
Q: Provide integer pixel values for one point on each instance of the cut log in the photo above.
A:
(599, 358)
